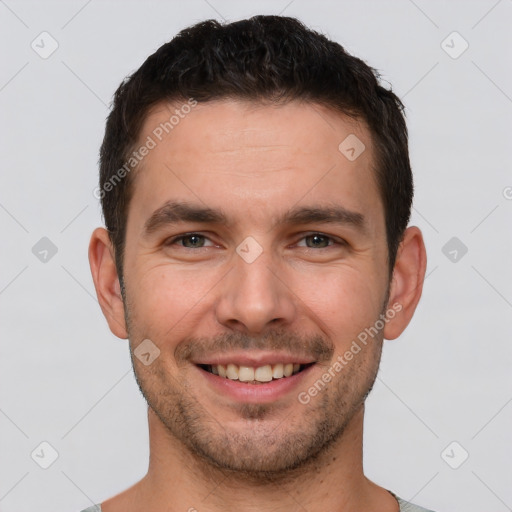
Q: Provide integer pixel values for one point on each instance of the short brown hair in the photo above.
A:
(264, 58)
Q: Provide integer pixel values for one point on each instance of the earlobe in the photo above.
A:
(407, 281)
(106, 281)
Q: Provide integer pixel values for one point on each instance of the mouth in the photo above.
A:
(255, 375)
(258, 377)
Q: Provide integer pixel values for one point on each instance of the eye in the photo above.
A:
(316, 241)
(190, 241)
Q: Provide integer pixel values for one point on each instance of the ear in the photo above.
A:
(407, 282)
(106, 281)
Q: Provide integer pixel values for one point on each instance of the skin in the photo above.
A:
(302, 294)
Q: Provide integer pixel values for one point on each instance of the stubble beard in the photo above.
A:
(263, 451)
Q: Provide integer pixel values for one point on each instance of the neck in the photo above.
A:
(178, 480)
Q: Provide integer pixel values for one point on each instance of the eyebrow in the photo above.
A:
(324, 214)
(174, 212)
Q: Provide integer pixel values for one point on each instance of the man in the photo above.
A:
(256, 189)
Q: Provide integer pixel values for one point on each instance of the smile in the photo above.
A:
(254, 375)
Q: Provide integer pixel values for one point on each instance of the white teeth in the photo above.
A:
(246, 374)
(277, 371)
(261, 374)
(232, 372)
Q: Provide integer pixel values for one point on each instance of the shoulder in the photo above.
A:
(405, 506)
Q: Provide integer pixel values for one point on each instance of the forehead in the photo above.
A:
(267, 154)
(234, 125)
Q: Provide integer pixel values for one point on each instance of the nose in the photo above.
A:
(253, 296)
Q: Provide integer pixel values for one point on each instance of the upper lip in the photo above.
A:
(253, 359)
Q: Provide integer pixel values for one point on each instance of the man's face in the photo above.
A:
(253, 241)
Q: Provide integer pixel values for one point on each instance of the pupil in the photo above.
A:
(193, 240)
(318, 240)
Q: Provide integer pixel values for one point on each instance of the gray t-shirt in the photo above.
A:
(405, 506)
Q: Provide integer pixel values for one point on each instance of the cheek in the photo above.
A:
(165, 299)
(345, 301)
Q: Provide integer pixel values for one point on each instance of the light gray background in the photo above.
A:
(67, 380)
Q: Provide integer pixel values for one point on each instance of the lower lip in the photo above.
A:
(255, 393)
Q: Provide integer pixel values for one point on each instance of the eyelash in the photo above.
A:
(332, 241)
